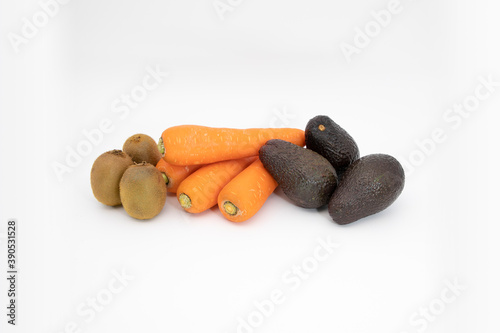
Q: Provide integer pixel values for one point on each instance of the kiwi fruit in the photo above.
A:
(105, 176)
(142, 148)
(143, 191)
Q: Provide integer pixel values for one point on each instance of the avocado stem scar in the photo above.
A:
(321, 127)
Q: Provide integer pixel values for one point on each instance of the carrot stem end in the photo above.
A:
(161, 147)
(165, 178)
(230, 208)
(185, 201)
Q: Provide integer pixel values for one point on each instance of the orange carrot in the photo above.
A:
(199, 191)
(175, 174)
(243, 196)
(192, 144)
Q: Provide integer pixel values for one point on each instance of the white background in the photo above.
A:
(202, 273)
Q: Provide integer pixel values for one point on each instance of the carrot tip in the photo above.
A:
(161, 147)
(230, 208)
(185, 201)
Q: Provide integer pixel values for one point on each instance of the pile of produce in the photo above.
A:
(238, 169)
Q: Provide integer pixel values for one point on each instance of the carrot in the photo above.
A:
(175, 174)
(199, 191)
(243, 196)
(192, 144)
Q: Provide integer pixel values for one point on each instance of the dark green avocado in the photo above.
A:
(369, 185)
(306, 177)
(331, 141)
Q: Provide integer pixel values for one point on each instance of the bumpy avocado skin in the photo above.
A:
(328, 139)
(369, 185)
(306, 177)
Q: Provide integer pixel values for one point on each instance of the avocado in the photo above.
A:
(331, 141)
(306, 177)
(369, 185)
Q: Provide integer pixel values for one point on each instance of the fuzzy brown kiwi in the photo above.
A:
(143, 191)
(105, 176)
(142, 148)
